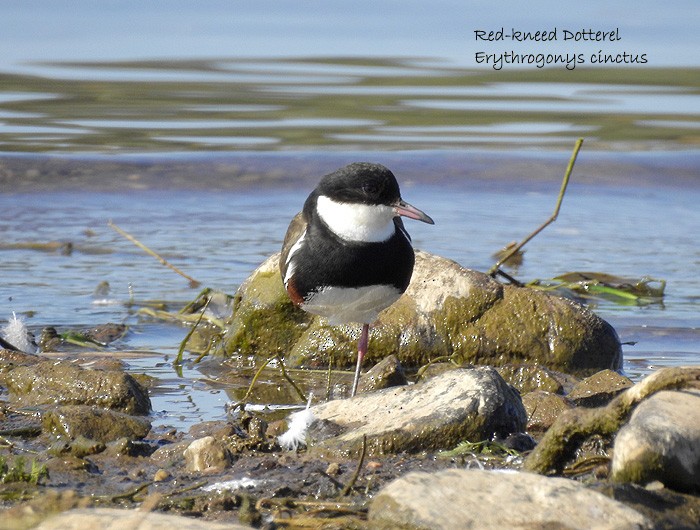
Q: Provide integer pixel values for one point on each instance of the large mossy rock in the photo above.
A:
(447, 311)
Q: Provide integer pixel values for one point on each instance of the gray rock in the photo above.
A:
(94, 423)
(207, 455)
(661, 442)
(599, 389)
(479, 499)
(104, 518)
(466, 404)
(447, 311)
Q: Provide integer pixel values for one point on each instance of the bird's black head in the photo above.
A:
(361, 182)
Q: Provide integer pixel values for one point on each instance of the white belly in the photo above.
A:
(341, 305)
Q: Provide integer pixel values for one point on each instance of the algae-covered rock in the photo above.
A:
(529, 378)
(598, 389)
(384, 374)
(563, 442)
(447, 311)
(94, 423)
(661, 442)
(63, 383)
(543, 408)
(468, 404)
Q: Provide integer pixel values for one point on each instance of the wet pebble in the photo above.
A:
(543, 408)
(599, 389)
(94, 423)
(206, 455)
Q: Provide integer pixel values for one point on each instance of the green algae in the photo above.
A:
(560, 443)
(488, 323)
(264, 320)
(16, 471)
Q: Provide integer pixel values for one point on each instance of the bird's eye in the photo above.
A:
(371, 188)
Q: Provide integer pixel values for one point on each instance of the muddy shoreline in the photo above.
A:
(285, 170)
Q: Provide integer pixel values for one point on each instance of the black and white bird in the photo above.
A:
(347, 256)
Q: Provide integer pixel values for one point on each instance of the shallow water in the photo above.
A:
(220, 236)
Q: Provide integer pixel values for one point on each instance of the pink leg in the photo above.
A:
(361, 351)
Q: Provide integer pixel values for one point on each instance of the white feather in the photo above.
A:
(16, 333)
(299, 423)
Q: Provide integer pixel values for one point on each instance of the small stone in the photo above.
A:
(120, 447)
(384, 374)
(333, 469)
(82, 446)
(599, 389)
(543, 408)
(374, 465)
(161, 475)
(434, 369)
(206, 455)
(170, 454)
(530, 377)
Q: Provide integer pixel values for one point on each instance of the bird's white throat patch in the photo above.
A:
(357, 222)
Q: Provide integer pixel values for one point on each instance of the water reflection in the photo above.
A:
(335, 103)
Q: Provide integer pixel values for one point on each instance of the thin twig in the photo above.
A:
(356, 474)
(129, 495)
(565, 182)
(243, 401)
(193, 283)
(183, 344)
(328, 379)
(288, 378)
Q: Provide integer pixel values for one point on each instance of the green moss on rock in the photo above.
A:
(447, 311)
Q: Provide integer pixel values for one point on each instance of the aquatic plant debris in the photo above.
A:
(193, 283)
(593, 285)
(513, 250)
